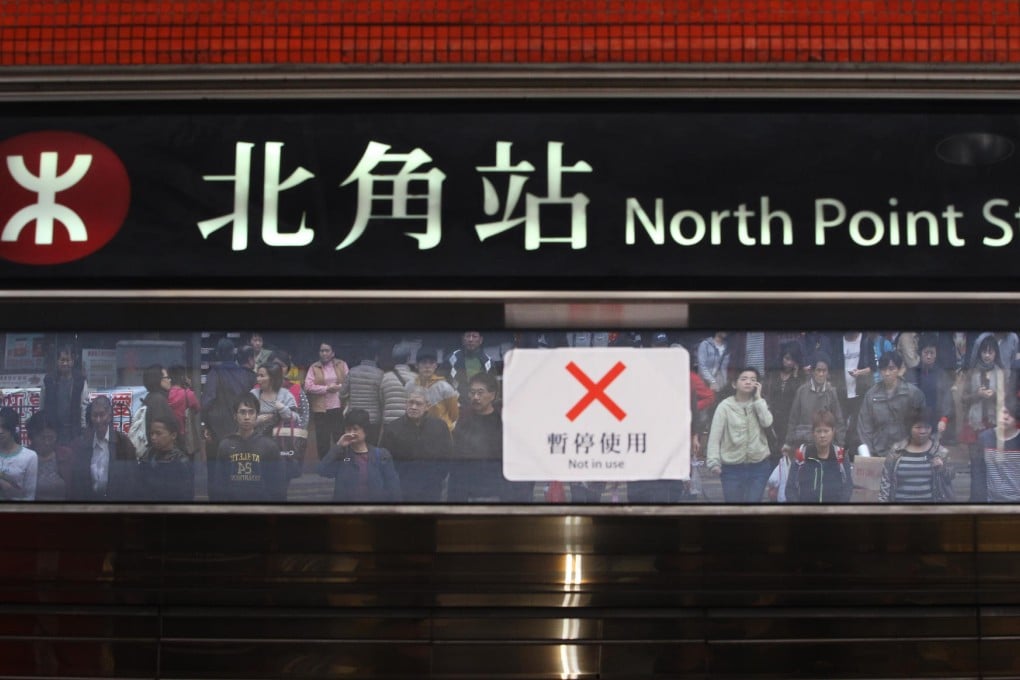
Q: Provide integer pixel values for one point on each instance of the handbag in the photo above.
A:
(942, 484)
(775, 446)
(292, 442)
(192, 433)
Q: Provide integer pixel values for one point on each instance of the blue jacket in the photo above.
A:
(381, 480)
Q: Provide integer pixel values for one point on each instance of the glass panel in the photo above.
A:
(427, 417)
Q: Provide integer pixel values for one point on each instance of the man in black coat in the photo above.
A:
(421, 446)
(64, 396)
(477, 471)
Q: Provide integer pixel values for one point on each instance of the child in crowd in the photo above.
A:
(781, 476)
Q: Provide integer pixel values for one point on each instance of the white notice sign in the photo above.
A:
(596, 414)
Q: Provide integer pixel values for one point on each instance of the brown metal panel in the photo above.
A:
(835, 534)
(339, 568)
(72, 658)
(269, 533)
(47, 621)
(272, 660)
(304, 624)
(555, 570)
(463, 596)
(875, 658)
(998, 534)
(655, 624)
(844, 623)
(518, 660)
(619, 597)
(83, 531)
(1000, 657)
(834, 578)
(1000, 621)
(657, 660)
(519, 627)
(460, 535)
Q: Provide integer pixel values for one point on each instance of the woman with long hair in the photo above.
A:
(156, 380)
(276, 404)
(985, 391)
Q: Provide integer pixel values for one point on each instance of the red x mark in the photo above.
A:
(596, 391)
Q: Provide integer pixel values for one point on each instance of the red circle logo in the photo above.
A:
(63, 196)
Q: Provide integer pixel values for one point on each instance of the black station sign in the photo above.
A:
(569, 195)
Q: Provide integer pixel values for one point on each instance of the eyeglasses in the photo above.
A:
(478, 393)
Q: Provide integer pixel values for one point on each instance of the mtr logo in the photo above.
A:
(63, 196)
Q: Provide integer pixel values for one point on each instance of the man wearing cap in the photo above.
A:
(443, 400)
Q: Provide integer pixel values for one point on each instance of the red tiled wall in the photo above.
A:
(65, 32)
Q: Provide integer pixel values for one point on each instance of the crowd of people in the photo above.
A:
(781, 417)
(911, 399)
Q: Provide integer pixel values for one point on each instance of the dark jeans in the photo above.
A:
(978, 474)
(745, 483)
(422, 481)
(328, 428)
(483, 480)
(587, 493)
(851, 409)
(657, 491)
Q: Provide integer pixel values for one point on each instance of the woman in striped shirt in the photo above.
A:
(916, 470)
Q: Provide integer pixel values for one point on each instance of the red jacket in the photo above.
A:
(701, 394)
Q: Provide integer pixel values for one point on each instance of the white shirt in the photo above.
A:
(100, 466)
(851, 361)
(21, 469)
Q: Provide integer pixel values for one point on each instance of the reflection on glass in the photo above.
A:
(573, 576)
(418, 417)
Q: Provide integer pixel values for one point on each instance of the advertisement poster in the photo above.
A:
(100, 366)
(25, 352)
